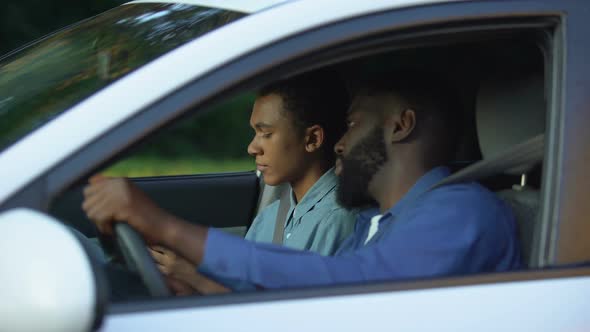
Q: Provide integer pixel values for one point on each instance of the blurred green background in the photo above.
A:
(212, 141)
(209, 143)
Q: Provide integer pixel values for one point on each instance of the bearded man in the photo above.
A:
(401, 135)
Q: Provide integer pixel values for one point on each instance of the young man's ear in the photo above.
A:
(400, 125)
(314, 138)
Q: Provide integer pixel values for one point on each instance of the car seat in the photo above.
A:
(509, 111)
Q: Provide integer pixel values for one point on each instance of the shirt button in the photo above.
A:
(288, 235)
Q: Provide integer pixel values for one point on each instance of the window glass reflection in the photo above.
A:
(41, 81)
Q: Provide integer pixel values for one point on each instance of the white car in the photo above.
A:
(97, 92)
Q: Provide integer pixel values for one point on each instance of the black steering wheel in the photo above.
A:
(138, 258)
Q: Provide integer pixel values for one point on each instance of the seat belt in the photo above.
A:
(284, 205)
(529, 152)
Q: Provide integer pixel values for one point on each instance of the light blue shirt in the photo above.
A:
(456, 229)
(317, 223)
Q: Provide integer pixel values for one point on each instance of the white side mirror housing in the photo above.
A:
(47, 281)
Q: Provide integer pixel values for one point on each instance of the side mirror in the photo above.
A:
(47, 280)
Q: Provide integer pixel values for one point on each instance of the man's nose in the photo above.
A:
(339, 146)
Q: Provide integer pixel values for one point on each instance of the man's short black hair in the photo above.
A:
(436, 104)
(315, 98)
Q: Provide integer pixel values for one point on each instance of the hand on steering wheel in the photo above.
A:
(107, 200)
(137, 257)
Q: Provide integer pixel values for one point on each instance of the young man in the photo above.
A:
(296, 123)
(400, 136)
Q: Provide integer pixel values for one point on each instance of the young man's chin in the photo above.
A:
(271, 180)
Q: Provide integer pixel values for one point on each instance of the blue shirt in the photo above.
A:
(450, 230)
(317, 223)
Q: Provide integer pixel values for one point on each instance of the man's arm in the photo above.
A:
(109, 200)
(452, 233)
(185, 238)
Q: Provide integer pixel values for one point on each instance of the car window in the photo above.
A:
(41, 81)
(212, 141)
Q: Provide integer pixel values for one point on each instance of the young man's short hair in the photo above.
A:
(315, 98)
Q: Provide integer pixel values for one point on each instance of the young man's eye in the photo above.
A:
(266, 135)
(350, 124)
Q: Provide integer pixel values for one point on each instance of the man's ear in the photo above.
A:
(314, 138)
(400, 125)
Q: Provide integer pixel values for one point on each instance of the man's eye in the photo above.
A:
(266, 135)
(350, 124)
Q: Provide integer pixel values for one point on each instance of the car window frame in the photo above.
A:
(257, 64)
(566, 235)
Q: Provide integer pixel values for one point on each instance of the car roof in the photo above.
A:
(244, 6)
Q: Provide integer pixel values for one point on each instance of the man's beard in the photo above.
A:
(358, 168)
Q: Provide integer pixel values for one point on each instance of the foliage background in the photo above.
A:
(215, 142)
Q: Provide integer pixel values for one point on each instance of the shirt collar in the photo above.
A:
(324, 185)
(368, 213)
(427, 180)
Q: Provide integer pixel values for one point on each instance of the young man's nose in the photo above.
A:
(253, 148)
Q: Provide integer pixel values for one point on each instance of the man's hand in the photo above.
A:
(180, 288)
(182, 275)
(108, 200)
(170, 264)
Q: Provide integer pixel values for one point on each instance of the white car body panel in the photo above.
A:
(515, 306)
(47, 146)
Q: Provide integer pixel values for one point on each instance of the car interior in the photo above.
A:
(501, 81)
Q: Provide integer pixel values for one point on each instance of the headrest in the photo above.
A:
(509, 111)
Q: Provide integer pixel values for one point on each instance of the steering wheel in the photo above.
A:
(138, 258)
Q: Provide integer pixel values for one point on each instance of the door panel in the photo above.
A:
(496, 306)
(218, 200)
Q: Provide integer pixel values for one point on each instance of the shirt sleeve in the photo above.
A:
(337, 226)
(449, 234)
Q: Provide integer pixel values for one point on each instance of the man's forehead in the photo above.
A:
(374, 103)
(366, 104)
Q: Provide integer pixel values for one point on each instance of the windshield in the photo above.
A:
(48, 77)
